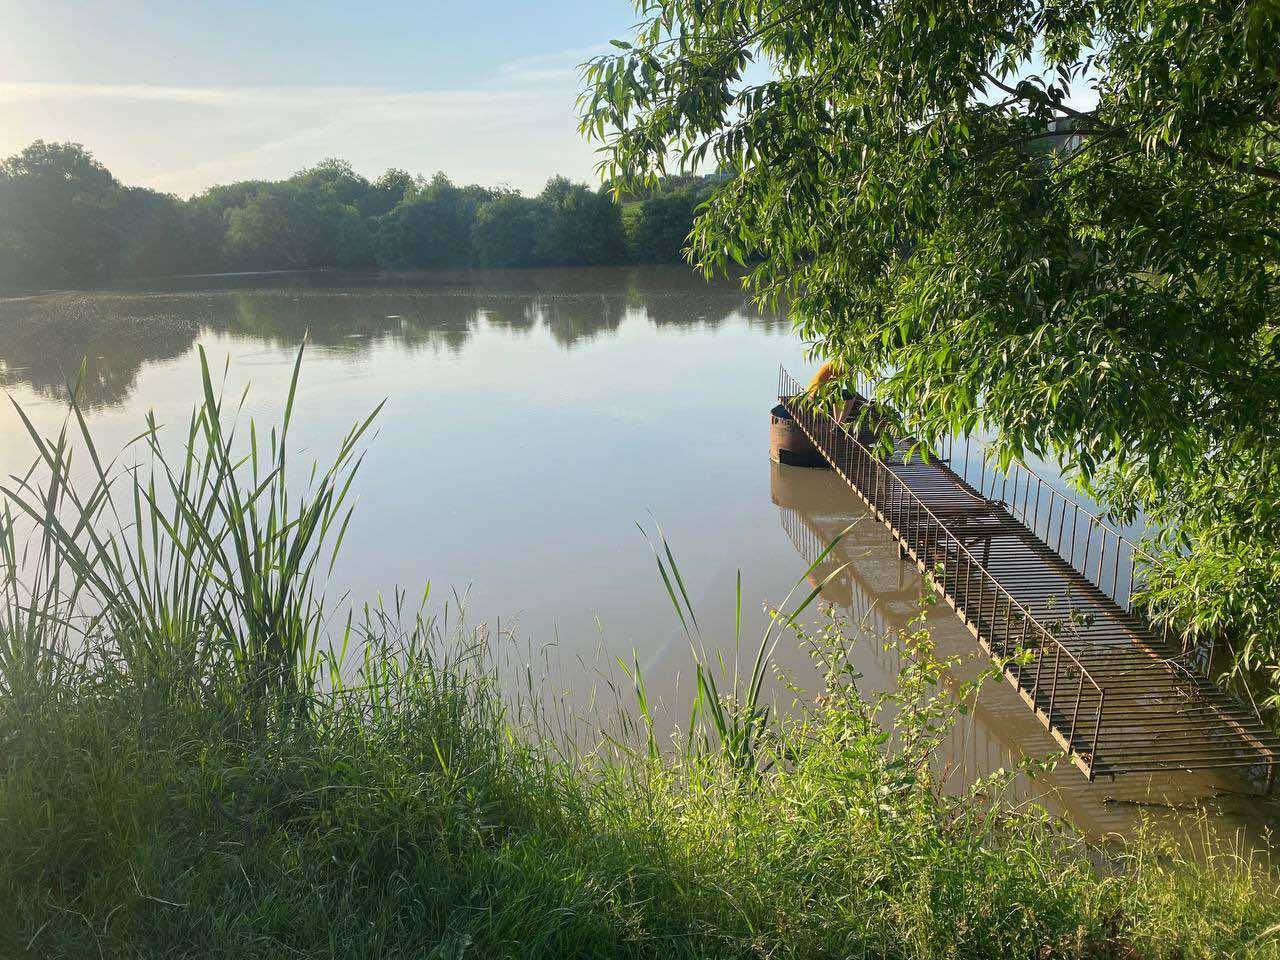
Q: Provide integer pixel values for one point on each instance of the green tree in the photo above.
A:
(65, 220)
(287, 228)
(349, 242)
(276, 229)
(385, 192)
(58, 207)
(208, 216)
(507, 231)
(660, 227)
(431, 226)
(155, 229)
(331, 181)
(335, 195)
(1053, 220)
(583, 227)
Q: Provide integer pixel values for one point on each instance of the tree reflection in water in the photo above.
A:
(47, 338)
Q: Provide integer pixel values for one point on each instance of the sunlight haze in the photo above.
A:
(182, 97)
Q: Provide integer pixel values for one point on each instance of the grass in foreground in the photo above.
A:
(183, 775)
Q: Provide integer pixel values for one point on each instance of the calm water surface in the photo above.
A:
(532, 419)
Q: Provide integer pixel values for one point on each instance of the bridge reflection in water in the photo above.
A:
(879, 592)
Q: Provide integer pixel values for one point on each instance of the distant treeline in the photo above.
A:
(66, 221)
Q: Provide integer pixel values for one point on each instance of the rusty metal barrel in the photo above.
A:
(788, 444)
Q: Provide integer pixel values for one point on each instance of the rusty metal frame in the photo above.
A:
(921, 533)
(1109, 692)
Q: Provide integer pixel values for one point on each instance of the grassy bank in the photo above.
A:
(189, 770)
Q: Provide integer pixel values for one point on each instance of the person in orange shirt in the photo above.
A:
(825, 373)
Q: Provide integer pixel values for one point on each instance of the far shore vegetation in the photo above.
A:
(202, 759)
(66, 221)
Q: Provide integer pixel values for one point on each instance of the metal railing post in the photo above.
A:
(1035, 685)
(1035, 522)
(1097, 730)
(1075, 522)
(1075, 713)
(1053, 687)
(1101, 554)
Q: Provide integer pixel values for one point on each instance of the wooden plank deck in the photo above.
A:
(1112, 693)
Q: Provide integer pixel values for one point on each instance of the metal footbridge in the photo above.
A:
(1047, 589)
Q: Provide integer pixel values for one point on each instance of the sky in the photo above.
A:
(181, 96)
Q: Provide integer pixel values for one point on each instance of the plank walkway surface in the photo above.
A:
(1113, 693)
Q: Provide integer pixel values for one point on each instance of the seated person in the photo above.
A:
(826, 373)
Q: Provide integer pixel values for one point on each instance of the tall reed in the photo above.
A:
(729, 712)
(203, 566)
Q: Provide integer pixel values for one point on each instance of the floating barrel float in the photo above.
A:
(788, 444)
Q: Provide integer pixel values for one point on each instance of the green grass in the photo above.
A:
(187, 770)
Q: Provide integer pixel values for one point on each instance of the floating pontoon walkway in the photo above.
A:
(1044, 587)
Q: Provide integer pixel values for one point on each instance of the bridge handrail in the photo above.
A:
(921, 505)
(789, 389)
(867, 387)
(1097, 520)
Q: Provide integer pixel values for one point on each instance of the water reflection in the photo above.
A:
(879, 593)
(44, 341)
(533, 417)
(47, 337)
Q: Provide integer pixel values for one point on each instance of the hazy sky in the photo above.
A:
(182, 95)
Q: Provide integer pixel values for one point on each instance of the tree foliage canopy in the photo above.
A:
(1052, 219)
(66, 221)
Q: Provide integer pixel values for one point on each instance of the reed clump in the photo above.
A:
(195, 763)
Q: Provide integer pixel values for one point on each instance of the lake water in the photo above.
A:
(533, 418)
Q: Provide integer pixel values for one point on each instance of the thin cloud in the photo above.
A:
(538, 69)
(29, 92)
(556, 65)
(517, 126)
